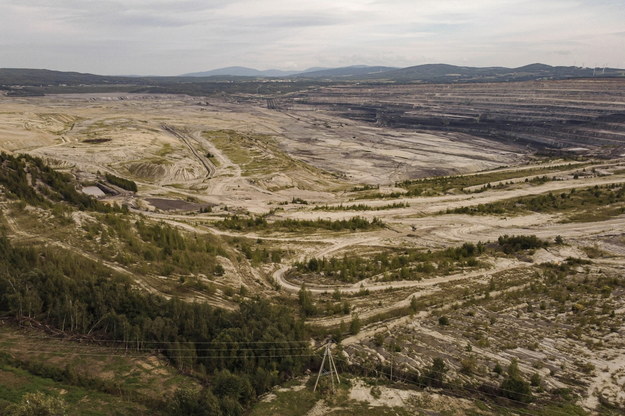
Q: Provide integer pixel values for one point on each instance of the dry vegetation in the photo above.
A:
(323, 211)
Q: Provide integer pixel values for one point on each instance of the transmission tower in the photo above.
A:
(332, 372)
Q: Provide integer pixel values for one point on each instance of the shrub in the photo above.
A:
(38, 404)
(535, 380)
(376, 393)
(515, 243)
(355, 325)
(498, 369)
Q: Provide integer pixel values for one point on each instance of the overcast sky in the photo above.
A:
(171, 37)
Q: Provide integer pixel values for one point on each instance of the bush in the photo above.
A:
(376, 393)
(355, 325)
(498, 369)
(468, 365)
(378, 339)
(515, 243)
(38, 404)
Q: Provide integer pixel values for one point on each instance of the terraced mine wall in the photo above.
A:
(570, 114)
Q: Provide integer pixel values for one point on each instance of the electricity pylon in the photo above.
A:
(327, 356)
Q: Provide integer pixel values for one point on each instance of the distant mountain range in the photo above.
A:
(241, 71)
(452, 73)
(425, 73)
(316, 72)
(347, 72)
(440, 73)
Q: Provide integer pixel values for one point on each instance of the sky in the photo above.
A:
(172, 37)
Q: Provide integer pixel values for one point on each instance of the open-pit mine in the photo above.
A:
(460, 246)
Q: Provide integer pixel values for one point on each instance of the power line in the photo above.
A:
(96, 340)
(281, 353)
(468, 389)
(130, 353)
(312, 354)
(149, 349)
(233, 357)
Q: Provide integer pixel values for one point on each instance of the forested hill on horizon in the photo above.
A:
(438, 73)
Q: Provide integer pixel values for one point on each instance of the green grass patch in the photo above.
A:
(354, 408)
(165, 150)
(259, 155)
(81, 401)
(256, 154)
(287, 403)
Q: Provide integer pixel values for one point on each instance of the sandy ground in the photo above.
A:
(158, 142)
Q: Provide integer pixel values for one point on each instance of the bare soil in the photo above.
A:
(238, 157)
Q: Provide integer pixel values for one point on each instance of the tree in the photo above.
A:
(38, 404)
(354, 326)
(435, 375)
(513, 386)
(306, 301)
(497, 369)
(231, 385)
(194, 403)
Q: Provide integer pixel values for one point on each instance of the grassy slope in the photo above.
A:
(92, 379)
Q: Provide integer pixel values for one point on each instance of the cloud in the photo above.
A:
(178, 36)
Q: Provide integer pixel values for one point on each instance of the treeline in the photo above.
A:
(239, 354)
(360, 207)
(29, 179)
(260, 223)
(126, 184)
(442, 184)
(404, 265)
(537, 180)
(585, 199)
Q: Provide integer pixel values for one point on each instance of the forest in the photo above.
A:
(29, 179)
(236, 355)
